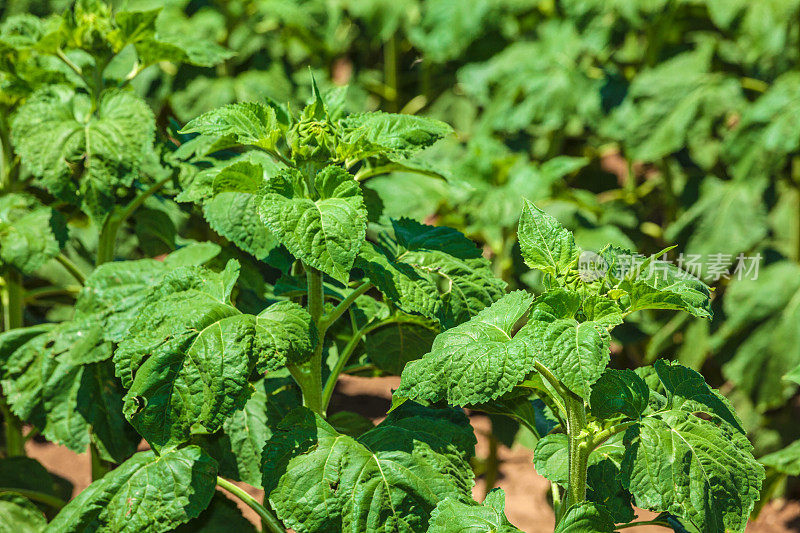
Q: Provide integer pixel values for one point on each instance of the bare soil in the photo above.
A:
(526, 491)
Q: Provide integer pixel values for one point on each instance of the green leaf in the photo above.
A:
(389, 479)
(575, 352)
(786, 460)
(392, 346)
(249, 123)
(60, 140)
(619, 392)
(325, 232)
(477, 361)
(148, 492)
(28, 474)
(605, 488)
(712, 480)
(238, 447)
(20, 514)
(30, 233)
(551, 456)
(454, 516)
(545, 244)
(378, 132)
(187, 357)
(232, 211)
(586, 517)
(286, 333)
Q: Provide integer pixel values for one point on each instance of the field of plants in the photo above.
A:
(568, 227)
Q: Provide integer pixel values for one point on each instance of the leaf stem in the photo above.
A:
(268, 520)
(41, 497)
(578, 450)
(309, 374)
(72, 268)
(599, 438)
(13, 298)
(344, 305)
(643, 523)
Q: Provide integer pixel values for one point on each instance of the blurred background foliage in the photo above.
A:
(644, 123)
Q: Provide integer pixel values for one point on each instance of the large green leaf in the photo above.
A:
(148, 492)
(619, 392)
(389, 479)
(586, 517)
(379, 133)
(712, 480)
(187, 358)
(30, 233)
(786, 460)
(456, 516)
(322, 222)
(477, 361)
(61, 139)
(221, 515)
(392, 346)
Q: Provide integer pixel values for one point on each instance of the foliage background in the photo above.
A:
(637, 122)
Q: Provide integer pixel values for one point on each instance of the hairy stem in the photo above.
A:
(309, 375)
(599, 438)
(578, 450)
(13, 298)
(345, 304)
(268, 520)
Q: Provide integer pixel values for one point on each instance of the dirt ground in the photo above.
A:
(526, 491)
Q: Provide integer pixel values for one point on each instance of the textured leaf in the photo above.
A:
(59, 139)
(389, 479)
(325, 233)
(454, 516)
(388, 132)
(286, 332)
(30, 233)
(575, 352)
(148, 492)
(603, 486)
(545, 244)
(619, 392)
(250, 123)
(477, 361)
(712, 480)
(187, 358)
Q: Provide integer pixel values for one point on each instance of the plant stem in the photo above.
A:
(99, 467)
(72, 268)
(492, 464)
(599, 438)
(268, 521)
(13, 298)
(555, 491)
(578, 449)
(41, 497)
(309, 375)
(106, 241)
(643, 523)
(345, 304)
(390, 72)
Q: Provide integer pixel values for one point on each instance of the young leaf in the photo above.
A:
(249, 123)
(545, 244)
(477, 361)
(454, 516)
(389, 479)
(105, 148)
(30, 233)
(148, 492)
(378, 133)
(619, 392)
(322, 223)
(603, 486)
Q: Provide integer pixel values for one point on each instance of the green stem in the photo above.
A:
(309, 375)
(599, 438)
(643, 523)
(72, 268)
(345, 304)
(41, 497)
(13, 298)
(99, 467)
(268, 521)
(555, 491)
(492, 465)
(578, 450)
(390, 72)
